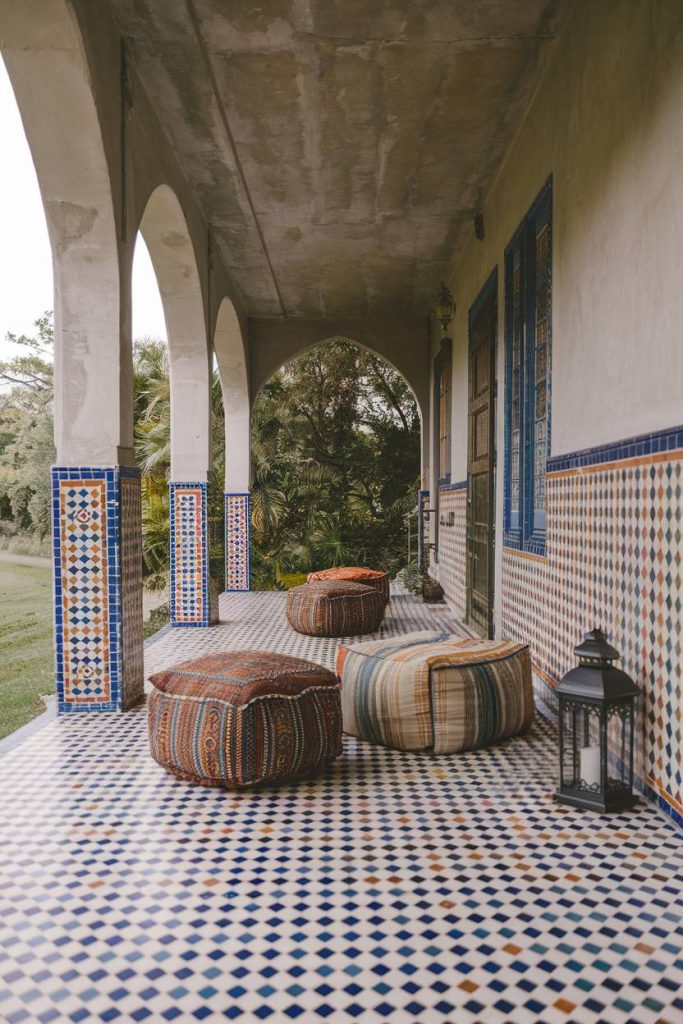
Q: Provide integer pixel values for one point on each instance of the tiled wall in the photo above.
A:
(613, 560)
(452, 538)
(237, 539)
(190, 598)
(98, 587)
(131, 588)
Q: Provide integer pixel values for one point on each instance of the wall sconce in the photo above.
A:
(445, 307)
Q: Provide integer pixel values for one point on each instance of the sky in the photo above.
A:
(25, 259)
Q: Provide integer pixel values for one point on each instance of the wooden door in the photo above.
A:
(481, 458)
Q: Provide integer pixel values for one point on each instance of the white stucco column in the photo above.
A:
(194, 602)
(95, 486)
(230, 355)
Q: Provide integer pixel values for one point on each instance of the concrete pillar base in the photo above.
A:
(97, 549)
(193, 600)
(237, 542)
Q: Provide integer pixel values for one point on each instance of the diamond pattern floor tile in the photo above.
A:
(393, 887)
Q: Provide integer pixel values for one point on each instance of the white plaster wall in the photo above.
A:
(607, 122)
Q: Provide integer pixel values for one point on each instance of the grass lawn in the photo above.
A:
(26, 653)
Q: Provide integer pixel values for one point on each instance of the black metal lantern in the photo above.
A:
(597, 722)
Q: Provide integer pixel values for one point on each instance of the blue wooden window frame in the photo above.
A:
(443, 373)
(528, 340)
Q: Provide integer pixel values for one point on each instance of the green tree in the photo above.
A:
(335, 451)
(26, 431)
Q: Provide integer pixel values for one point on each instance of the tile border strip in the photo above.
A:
(458, 486)
(640, 446)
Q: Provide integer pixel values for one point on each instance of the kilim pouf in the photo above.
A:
(329, 608)
(434, 691)
(356, 574)
(238, 718)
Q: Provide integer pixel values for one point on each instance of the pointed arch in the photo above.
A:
(167, 237)
(228, 344)
(351, 341)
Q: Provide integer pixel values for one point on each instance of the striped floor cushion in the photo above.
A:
(238, 718)
(329, 608)
(356, 574)
(434, 691)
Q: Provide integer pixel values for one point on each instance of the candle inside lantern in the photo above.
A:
(590, 765)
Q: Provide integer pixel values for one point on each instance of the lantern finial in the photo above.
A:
(594, 647)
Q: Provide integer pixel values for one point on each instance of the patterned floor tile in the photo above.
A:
(393, 887)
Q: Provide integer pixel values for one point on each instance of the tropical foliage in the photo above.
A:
(26, 440)
(335, 447)
(336, 458)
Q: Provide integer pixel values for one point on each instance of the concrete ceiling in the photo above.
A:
(339, 148)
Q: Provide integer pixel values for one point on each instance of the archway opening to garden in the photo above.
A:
(335, 442)
(152, 428)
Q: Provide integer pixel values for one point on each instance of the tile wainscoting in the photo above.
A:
(613, 561)
(452, 539)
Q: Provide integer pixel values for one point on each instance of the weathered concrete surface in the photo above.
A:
(42, 50)
(338, 150)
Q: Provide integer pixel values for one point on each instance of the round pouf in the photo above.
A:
(435, 691)
(355, 574)
(242, 717)
(329, 608)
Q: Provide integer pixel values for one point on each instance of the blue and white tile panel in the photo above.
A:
(190, 600)
(237, 541)
(98, 587)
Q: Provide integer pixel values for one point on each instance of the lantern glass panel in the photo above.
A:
(580, 763)
(620, 746)
(596, 749)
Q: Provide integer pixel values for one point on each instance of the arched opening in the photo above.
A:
(335, 465)
(228, 346)
(189, 394)
(166, 235)
(152, 432)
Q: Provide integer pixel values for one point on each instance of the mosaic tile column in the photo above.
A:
(97, 549)
(237, 541)
(192, 603)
